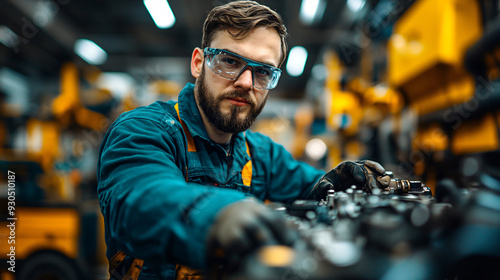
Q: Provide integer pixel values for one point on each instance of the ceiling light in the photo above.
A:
(161, 13)
(311, 11)
(90, 52)
(8, 37)
(355, 5)
(44, 12)
(296, 61)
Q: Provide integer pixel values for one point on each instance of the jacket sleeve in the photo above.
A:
(287, 179)
(150, 211)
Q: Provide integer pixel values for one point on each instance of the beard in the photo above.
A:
(232, 122)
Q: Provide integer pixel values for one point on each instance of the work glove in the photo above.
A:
(240, 228)
(364, 174)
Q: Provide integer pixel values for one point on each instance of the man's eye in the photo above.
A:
(263, 72)
(230, 61)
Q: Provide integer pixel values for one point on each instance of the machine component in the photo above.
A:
(474, 58)
(426, 65)
(330, 198)
(399, 186)
(400, 234)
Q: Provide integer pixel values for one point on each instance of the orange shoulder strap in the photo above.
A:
(246, 172)
(190, 140)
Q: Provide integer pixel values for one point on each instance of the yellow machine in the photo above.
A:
(433, 111)
(56, 229)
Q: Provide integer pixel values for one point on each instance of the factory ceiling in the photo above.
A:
(46, 31)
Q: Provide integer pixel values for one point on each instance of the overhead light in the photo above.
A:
(44, 12)
(311, 11)
(8, 37)
(160, 12)
(90, 52)
(296, 61)
(355, 5)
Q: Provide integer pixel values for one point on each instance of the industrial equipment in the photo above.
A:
(421, 95)
(46, 177)
(401, 233)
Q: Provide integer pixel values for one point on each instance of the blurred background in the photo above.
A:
(413, 84)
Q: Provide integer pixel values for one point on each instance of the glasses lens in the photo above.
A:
(230, 67)
(265, 77)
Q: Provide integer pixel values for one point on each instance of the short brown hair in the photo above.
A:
(243, 16)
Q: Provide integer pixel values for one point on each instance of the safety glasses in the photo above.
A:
(230, 66)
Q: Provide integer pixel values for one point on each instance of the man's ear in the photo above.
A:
(196, 62)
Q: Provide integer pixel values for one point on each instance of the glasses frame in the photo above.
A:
(249, 63)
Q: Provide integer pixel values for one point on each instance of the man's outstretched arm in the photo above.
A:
(151, 212)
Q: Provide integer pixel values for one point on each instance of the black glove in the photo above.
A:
(241, 228)
(364, 174)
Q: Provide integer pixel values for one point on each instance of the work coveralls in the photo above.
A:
(150, 211)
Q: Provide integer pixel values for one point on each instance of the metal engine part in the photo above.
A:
(403, 233)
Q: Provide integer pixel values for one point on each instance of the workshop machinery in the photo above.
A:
(420, 92)
(47, 173)
(403, 232)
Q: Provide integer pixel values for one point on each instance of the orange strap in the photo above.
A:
(190, 140)
(183, 272)
(132, 272)
(246, 172)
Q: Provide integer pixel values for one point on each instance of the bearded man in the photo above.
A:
(181, 181)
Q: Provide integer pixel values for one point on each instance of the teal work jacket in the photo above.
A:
(152, 213)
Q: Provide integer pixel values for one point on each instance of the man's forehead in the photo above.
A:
(260, 44)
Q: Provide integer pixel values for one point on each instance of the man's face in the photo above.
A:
(233, 105)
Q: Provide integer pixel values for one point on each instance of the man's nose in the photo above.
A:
(245, 80)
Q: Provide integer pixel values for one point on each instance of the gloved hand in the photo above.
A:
(241, 228)
(364, 174)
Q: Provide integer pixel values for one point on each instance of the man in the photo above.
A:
(175, 178)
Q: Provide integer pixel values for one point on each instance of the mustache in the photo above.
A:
(237, 94)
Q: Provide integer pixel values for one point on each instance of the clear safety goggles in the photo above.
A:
(230, 66)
